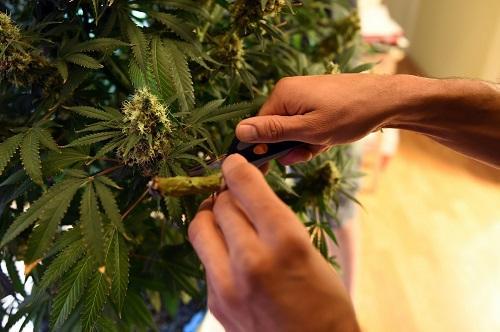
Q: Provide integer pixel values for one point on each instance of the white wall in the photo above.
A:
(452, 37)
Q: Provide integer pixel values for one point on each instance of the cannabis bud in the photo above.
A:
(13, 60)
(8, 30)
(247, 12)
(274, 6)
(148, 130)
(348, 28)
(22, 67)
(329, 175)
(231, 51)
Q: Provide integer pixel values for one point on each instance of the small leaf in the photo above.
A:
(188, 6)
(140, 45)
(90, 222)
(180, 75)
(62, 263)
(17, 284)
(98, 126)
(46, 139)
(104, 45)
(278, 183)
(361, 68)
(179, 27)
(8, 148)
(70, 292)
(14, 178)
(94, 300)
(232, 111)
(43, 234)
(108, 182)
(7, 195)
(94, 138)
(108, 202)
(30, 155)
(62, 68)
(205, 110)
(84, 61)
(137, 76)
(174, 208)
(48, 200)
(65, 239)
(56, 162)
(118, 264)
(160, 70)
(92, 112)
(136, 312)
(110, 146)
(107, 324)
(193, 52)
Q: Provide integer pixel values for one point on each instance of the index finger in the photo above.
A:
(209, 244)
(258, 201)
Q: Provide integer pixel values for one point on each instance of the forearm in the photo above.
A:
(461, 114)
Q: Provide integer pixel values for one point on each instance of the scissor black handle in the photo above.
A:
(259, 153)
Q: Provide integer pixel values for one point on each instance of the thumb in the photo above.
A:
(277, 128)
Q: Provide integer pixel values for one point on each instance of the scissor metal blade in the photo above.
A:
(201, 170)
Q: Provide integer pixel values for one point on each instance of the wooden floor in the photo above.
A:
(430, 244)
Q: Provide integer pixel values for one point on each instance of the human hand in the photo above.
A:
(263, 273)
(324, 110)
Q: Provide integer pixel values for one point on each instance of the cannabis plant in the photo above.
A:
(97, 98)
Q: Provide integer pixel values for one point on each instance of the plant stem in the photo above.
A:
(108, 170)
(129, 210)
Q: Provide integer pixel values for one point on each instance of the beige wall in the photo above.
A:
(452, 37)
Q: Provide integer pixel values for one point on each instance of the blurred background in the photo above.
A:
(428, 236)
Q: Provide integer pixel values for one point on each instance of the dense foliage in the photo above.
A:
(98, 96)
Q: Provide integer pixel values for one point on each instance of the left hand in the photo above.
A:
(263, 274)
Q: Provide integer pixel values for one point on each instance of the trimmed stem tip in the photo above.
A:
(178, 186)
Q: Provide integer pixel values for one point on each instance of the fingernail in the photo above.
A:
(246, 133)
(206, 205)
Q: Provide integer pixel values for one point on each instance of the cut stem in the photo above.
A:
(178, 186)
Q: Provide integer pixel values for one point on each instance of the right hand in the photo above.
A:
(323, 110)
(263, 273)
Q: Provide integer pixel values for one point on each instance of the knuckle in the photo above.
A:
(273, 128)
(193, 230)
(284, 83)
(254, 267)
(223, 199)
(292, 247)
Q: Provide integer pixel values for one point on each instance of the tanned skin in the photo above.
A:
(263, 273)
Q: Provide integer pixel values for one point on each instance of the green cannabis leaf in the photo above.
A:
(100, 97)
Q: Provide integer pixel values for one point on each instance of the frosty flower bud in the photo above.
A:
(145, 113)
(148, 130)
(8, 30)
(231, 51)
